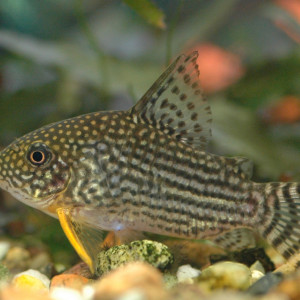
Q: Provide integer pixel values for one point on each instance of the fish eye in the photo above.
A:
(38, 155)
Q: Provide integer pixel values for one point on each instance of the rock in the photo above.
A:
(63, 293)
(257, 271)
(11, 293)
(151, 252)
(4, 247)
(248, 257)
(187, 274)
(135, 277)
(31, 279)
(72, 281)
(17, 258)
(225, 275)
(170, 280)
(265, 283)
(40, 260)
(81, 269)
(187, 292)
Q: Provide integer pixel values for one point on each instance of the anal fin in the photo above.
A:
(236, 239)
(86, 240)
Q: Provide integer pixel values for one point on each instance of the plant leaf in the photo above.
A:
(149, 11)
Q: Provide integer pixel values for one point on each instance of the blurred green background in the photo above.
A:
(61, 58)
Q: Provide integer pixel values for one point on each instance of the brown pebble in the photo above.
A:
(80, 269)
(72, 281)
(136, 277)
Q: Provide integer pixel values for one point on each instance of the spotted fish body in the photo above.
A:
(146, 169)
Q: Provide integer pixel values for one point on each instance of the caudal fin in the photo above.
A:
(280, 217)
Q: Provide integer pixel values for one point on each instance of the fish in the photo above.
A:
(147, 169)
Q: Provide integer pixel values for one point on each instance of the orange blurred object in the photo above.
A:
(291, 6)
(218, 68)
(287, 110)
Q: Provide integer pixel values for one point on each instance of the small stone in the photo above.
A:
(225, 275)
(63, 293)
(133, 276)
(265, 283)
(12, 293)
(81, 269)
(151, 252)
(247, 257)
(31, 279)
(257, 271)
(39, 261)
(187, 292)
(17, 258)
(187, 274)
(72, 281)
(257, 266)
(4, 247)
(170, 280)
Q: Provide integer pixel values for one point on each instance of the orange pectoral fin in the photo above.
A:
(85, 239)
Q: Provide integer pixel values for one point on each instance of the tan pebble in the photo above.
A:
(12, 293)
(17, 258)
(72, 281)
(40, 260)
(136, 276)
(222, 275)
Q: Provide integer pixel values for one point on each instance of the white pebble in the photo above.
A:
(88, 292)
(4, 247)
(36, 274)
(61, 293)
(186, 273)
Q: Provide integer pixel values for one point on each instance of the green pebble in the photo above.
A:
(4, 275)
(154, 253)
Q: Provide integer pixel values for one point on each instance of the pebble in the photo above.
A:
(40, 260)
(63, 293)
(80, 269)
(257, 271)
(31, 279)
(4, 275)
(11, 293)
(187, 274)
(4, 247)
(69, 281)
(265, 283)
(152, 252)
(133, 276)
(225, 275)
(17, 258)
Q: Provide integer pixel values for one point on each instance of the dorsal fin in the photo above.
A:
(175, 104)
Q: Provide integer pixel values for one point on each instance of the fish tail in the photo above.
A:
(279, 217)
